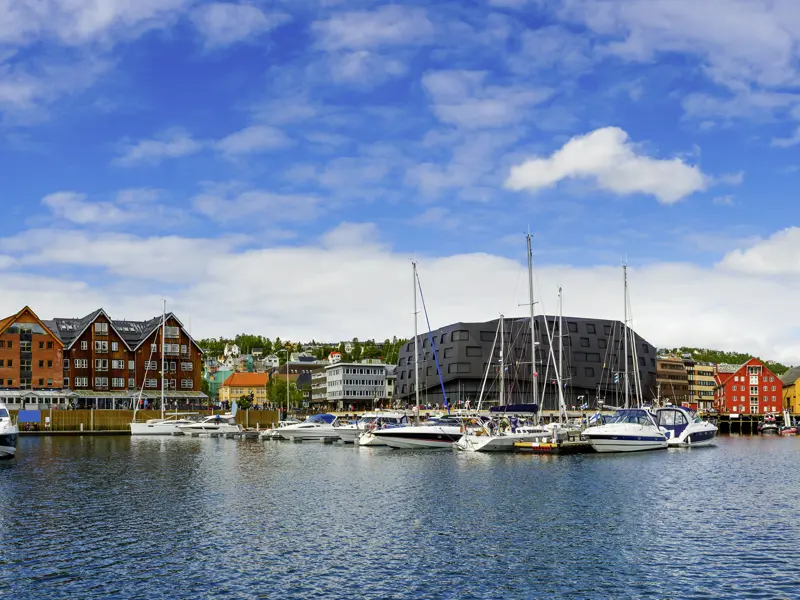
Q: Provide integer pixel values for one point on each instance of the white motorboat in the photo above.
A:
(315, 427)
(213, 424)
(630, 430)
(684, 427)
(438, 434)
(274, 433)
(769, 425)
(169, 425)
(361, 431)
(8, 435)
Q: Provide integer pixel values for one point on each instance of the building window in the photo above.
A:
(41, 382)
(460, 335)
(186, 384)
(2, 363)
(24, 346)
(101, 346)
(448, 352)
(114, 346)
(66, 382)
(573, 327)
(101, 328)
(84, 345)
(173, 384)
(172, 332)
(150, 383)
(131, 383)
(49, 345)
(81, 382)
(41, 363)
(187, 366)
(173, 366)
(584, 342)
(49, 364)
(2, 344)
(602, 344)
(590, 328)
(10, 362)
(41, 345)
(131, 365)
(150, 365)
(100, 382)
(588, 371)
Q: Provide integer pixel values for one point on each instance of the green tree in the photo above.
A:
(205, 387)
(371, 351)
(244, 402)
(276, 392)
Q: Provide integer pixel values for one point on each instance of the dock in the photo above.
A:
(560, 447)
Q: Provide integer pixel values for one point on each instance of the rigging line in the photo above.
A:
(433, 344)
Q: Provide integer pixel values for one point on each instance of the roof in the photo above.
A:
(790, 376)
(9, 321)
(726, 368)
(246, 380)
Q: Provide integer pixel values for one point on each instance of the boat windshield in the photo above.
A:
(326, 419)
(367, 419)
(3, 413)
(636, 416)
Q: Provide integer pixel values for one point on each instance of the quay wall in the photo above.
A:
(118, 420)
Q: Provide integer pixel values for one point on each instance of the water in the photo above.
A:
(100, 517)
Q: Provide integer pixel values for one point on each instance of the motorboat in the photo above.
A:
(362, 432)
(213, 424)
(315, 427)
(439, 433)
(684, 427)
(769, 425)
(9, 432)
(629, 430)
(167, 426)
(788, 428)
(274, 433)
(498, 436)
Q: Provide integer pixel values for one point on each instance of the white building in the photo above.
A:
(231, 350)
(361, 384)
(272, 360)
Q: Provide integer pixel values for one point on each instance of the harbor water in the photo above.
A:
(103, 517)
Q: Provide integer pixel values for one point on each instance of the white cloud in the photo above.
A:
(777, 255)
(608, 158)
(788, 142)
(363, 67)
(256, 138)
(226, 203)
(223, 24)
(390, 25)
(723, 200)
(463, 98)
(133, 206)
(346, 263)
(74, 207)
(174, 143)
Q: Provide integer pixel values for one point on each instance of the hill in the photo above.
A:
(721, 356)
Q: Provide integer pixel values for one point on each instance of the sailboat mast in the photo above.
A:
(163, 352)
(534, 374)
(416, 343)
(625, 334)
(502, 366)
(562, 407)
(287, 383)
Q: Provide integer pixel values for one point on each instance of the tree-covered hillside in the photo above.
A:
(721, 356)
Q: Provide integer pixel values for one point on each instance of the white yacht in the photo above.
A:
(684, 427)
(274, 433)
(315, 427)
(629, 430)
(438, 434)
(169, 425)
(362, 431)
(8, 435)
(213, 424)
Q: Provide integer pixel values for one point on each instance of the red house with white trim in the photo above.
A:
(750, 389)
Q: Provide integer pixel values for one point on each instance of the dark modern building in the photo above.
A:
(592, 363)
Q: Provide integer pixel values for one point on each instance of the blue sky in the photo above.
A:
(272, 166)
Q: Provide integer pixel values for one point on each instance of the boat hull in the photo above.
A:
(311, 434)
(349, 435)
(694, 438)
(370, 440)
(209, 428)
(419, 437)
(155, 429)
(622, 443)
(8, 444)
(789, 431)
(497, 443)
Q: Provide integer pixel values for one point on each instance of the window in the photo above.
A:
(25, 364)
(101, 328)
(2, 344)
(173, 384)
(753, 389)
(66, 364)
(2, 362)
(66, 382)
(41, 345)
(49, 345)
(41, 382)
(584, 342)
(184, 349)
(25, 383)
(460, 335)
(117, 364)
(150, 365)
(458, 368)
(81, 382)
(590, 328)
(487, 336)
(448, 352)
(131, 365)
(474, 351)
(172, 348)
(81, 363)
(150, 383)
(642, 362)
(187, 366)
(24, 346)
(580, 356)
(153, 348)
(186, 384)
(41, 363)
(49, 364)
(566, 341)
(118, 382)
(773, 388)
(131, 383)
(101, 364)
(172, 332)
(10, 362)
(101, 346)
(173, 366)
(10, 382)
(573, 327)
(101, 382)
(588, 371)
(84, 345)
(114, 346)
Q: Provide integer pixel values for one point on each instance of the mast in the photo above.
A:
(416, 344)
(534, 374)
(560, 378)
(287, 384)
(163, 351)
(502, 366)
(625, 334)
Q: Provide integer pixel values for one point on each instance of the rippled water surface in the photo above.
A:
(100, 517)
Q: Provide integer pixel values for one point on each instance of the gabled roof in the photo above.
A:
(69, 330)
(791, 376)
(152, 325)
(246, 380)
(9, 321)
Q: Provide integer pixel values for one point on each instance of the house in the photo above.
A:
(245, 384)
(334, 357)
(271, 361)
(358, 384)
(750, 388)
(257, 352)
(791, 402)
(231, 349)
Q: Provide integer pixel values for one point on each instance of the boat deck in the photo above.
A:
(561, 447)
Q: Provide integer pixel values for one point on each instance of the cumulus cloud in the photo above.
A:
(256, 138)
(174, 143)
(222, 24)
(776, 255)
(229, 203)
(74, 207)
(608, 159)
(390, 25)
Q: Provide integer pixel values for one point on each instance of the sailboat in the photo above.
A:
(167, 424)
(9, 431)
(630, 429)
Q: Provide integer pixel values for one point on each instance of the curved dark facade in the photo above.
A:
(592, 361)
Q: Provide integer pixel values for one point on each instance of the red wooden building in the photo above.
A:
(750, 388)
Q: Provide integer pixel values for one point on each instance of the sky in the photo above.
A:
(273, 167)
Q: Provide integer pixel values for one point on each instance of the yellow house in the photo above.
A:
(244, 384)
(790, 399)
